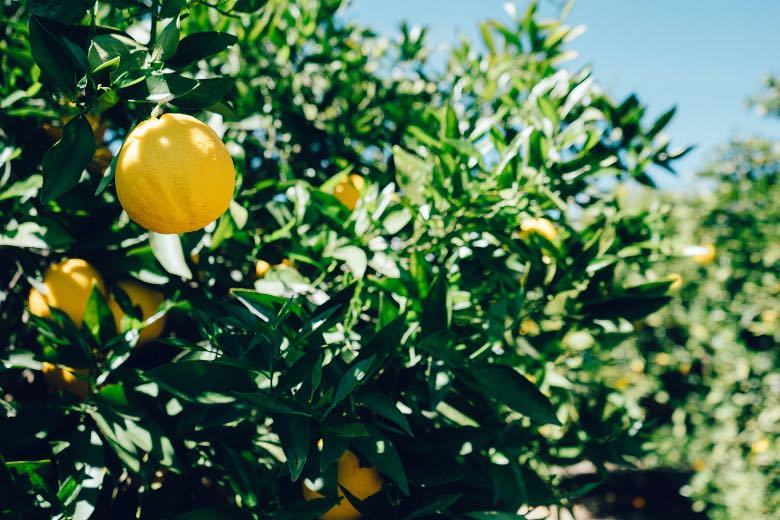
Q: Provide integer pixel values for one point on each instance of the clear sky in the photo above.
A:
(705, 56)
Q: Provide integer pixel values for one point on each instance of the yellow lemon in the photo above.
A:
(71, 380)
(348, 190)
(68, 285)
(261, 268)
(706, 256)
(148, 300)
(174, 174)
(538, 226)
(360, 482)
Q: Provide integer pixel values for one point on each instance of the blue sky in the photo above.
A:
(705, 56)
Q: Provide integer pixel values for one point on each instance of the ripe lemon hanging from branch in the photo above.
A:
(361, 482)
(174, 174)
(66, 286)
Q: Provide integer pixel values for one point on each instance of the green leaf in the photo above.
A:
(171, 8)
(325, 317)
(207, 92)
(202, 381)
(631, 307)
(293, 432)
(661, 122)
(413, 174)
(264, 305)
(505, 385)
(197, 46)
(118, 439)
(350, 430)
(384, 406)
(98, 317)
(167, 41)
(76, 53)
(52, 59)
(354, 257)
(64, 163)
(355, 376)
(270, 404)
(168, 251)
(436, 312)
(62, 11)
(24, 189)
(249, 6)
(108, 176)
(381, 453)
(438, 505)
(105, 49)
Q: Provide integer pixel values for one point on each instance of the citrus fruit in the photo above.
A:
(174, 174)
(148, 300)
(71, 380)
(360, 482)
(348, 190)
(706, 255)
(529, 327)
(676, 280)
(538, 226)
(66, 286)
(261, 268)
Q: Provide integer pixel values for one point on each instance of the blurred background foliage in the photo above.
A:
(706, 368)
(462, 319)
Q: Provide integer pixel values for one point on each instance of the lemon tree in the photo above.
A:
(338, 281)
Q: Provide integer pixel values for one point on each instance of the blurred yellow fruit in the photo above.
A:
(637, 366)
(662, 359)
(768, 316)
(676, 280)
(529, 327)
(706, 255)
(760, 446)
(100, 160)
(622, 383)
(148, 300)
(174, 174)
(348, 190)
(261, 268)
(539, 226)
(68, 285)
(360, 482)
(71, 380)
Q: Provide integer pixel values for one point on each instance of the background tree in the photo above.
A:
(705, 370)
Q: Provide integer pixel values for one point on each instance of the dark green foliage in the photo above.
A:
(420, 330)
